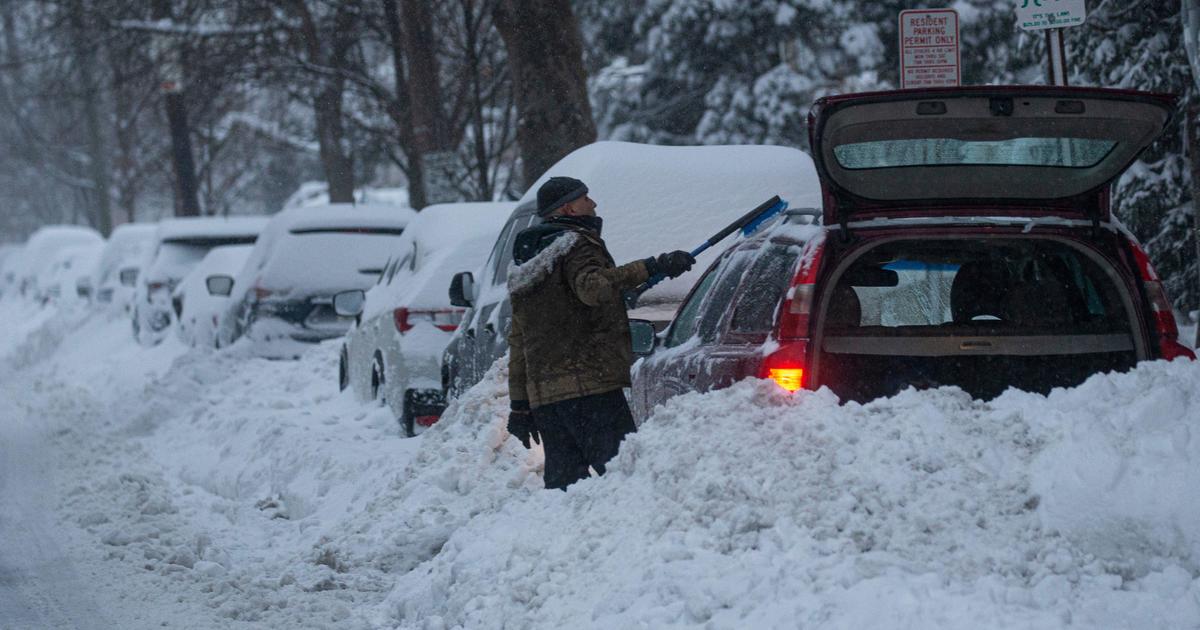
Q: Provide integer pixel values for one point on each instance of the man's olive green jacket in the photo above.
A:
(570, 333)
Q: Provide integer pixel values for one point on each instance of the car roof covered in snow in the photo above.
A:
(73, 261)
(346, 216)
(199, 228)
(47, 241)
(129, 242)
(661, 198)
(444, 239)
(325, 248)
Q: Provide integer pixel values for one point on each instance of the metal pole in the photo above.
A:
(1056, 57)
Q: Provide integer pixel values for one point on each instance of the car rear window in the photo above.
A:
(763, 290)
(1050, 152)
(1009, 285)
(731, 272)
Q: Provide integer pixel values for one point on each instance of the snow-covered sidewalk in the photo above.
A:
(223, 491)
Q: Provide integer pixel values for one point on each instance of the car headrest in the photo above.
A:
(980, 288)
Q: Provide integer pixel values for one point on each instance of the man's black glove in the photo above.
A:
(672, 264)
(520, 423)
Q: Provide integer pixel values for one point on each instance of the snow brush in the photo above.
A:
(747, 223)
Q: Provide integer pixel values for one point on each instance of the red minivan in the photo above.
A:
(966, 239)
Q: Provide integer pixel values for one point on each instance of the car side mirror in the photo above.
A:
(349, 303)
(220, 286)
(644, 336)
(129, 276)
(462, 289)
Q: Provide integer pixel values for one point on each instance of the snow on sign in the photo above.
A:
(929, 54)
(1033, 15)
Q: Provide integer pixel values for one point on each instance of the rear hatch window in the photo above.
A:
(323, 262)
(971, 150)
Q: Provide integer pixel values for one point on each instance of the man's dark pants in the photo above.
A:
(581, 432)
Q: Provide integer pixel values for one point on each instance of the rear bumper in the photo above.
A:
(425, 405)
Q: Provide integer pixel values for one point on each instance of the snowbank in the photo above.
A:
(230, 491)
(751, 508)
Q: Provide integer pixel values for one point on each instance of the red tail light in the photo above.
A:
(261, 293)
(797, 308)
(786, 364)
(446, 319)
(156, 286)
(1160, 309)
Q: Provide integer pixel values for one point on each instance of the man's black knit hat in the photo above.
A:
(557, 192)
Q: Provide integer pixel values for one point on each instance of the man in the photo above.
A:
(569, 347)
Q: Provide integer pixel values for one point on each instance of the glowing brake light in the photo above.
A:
(1160, 309)
(790, 379)
(785, 363)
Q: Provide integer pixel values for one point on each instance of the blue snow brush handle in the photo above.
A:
(747, 223)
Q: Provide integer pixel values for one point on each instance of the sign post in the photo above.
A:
(1052, 16)
(929, 50)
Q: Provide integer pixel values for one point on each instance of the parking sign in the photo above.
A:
(929, 51)
(1033, 15)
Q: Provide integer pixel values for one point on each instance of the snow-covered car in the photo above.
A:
(967, 239)
(40, 251)
(394, 353)
(127, 246)
(180, 244)
(204, 293)
(652, 199)
(71, 266)
(10, 256)
(305, 257)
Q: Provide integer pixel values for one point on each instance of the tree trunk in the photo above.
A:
(471, 23)
(327, 100)
(403, 116)
(429, 132)
(339, 171)
(187, 202)
(98, 206)
(545, 54)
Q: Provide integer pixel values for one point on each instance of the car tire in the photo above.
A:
(343, 371)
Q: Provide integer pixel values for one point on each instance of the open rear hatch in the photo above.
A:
(988, 150)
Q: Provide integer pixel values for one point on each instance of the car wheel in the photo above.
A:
(343, 373)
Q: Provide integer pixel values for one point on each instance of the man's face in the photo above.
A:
(581, 207)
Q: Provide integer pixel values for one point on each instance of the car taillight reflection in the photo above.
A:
(790, 379)
(785, 365)
(1160, 309)
(446, 319)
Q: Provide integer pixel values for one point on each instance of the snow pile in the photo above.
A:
(751, 508)
(465, 466)
(231, 491)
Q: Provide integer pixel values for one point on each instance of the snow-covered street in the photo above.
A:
(170, 488)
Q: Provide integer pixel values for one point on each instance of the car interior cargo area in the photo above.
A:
(980, 313)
